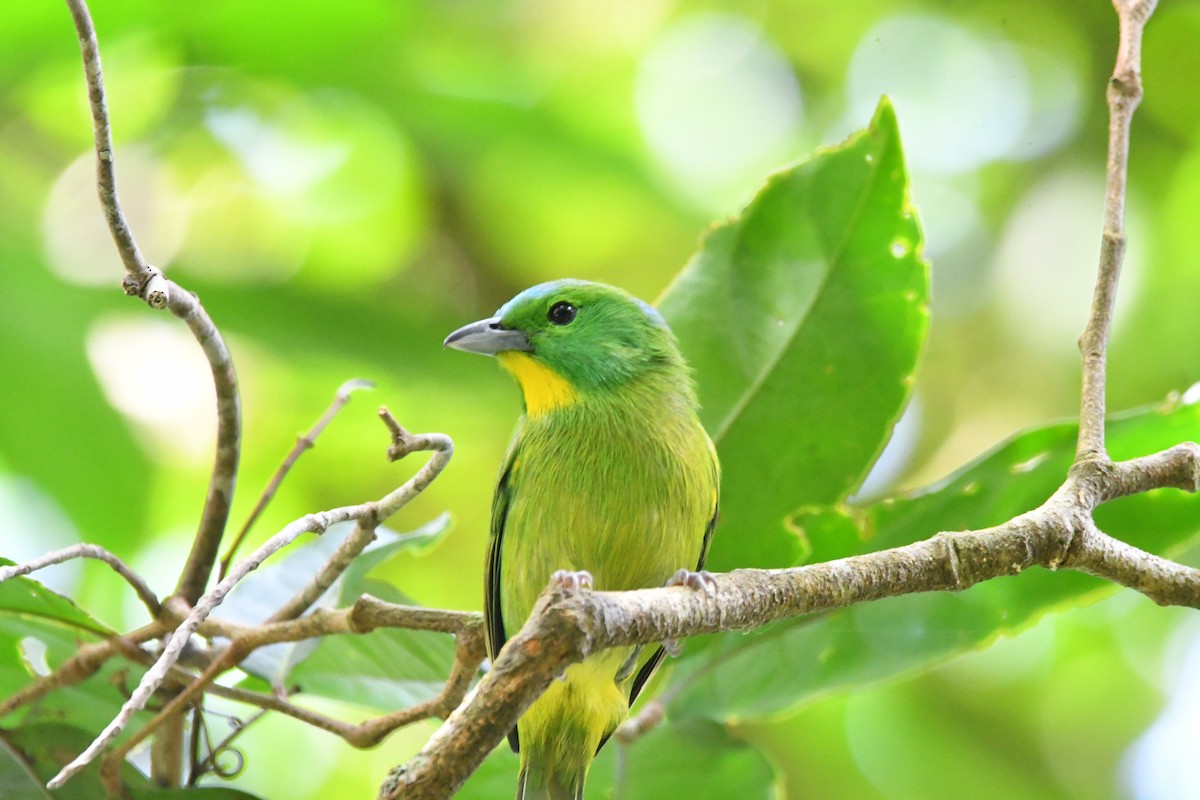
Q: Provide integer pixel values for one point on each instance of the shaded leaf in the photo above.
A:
(803, 319)
(767, 671)
(17, 781)
(387, 669)
(34, 754)
(264, 591)
(27, 597)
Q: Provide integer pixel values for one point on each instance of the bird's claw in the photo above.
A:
(570, 581)
(702, 580)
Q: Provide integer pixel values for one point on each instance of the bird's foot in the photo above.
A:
(570, 581)
(702, 580)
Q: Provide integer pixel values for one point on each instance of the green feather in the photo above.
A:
(609, 471)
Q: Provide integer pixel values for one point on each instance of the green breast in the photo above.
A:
(622, 493)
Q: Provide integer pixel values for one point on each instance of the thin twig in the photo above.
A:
(138, 272)
(209, 763)
(337, 563)
(145, 281)
(86, 661)
(403, 444)
(139, 585)
(367, 614)
(219, 500)
(303, 443)
(376, 511)
(1124, 93)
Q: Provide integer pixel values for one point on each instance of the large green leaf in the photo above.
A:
(803, 319)
(747, 675)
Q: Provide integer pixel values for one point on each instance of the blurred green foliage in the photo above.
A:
(343, 184)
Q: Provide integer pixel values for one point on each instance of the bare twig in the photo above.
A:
(366, 615)
(303, 443)
(138, 272)
(1124, 93)
(217, 503)
(337, 563)
(376, 511)
(145, 281)
(144, 593)
(403, 443)
(84, 664)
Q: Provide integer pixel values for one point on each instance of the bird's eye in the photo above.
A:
(562, 313)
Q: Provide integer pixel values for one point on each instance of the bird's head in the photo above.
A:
(569, 338)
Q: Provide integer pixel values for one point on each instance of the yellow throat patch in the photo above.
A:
(545, 390)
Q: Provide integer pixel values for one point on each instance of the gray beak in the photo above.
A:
(487, 338)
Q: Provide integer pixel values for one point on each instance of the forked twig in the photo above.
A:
(303, 443)
(376, 512)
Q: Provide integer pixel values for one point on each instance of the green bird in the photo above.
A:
(609, 481)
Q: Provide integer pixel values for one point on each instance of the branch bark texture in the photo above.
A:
(566, 628)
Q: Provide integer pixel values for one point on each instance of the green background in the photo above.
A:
(343, 184)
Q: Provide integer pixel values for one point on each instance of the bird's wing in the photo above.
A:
(656, 658)
(493, 618)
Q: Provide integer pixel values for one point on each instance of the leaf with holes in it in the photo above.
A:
(39, 630)
(803, 318)
(772, 669)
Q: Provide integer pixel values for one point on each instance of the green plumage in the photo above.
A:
(609, 471)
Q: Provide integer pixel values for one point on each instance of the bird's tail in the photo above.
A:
(538, 781)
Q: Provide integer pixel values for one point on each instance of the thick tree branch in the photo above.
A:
(565, 628)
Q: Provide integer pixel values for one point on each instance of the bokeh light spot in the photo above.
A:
(718, 106)
(152, 371)
(75, 234)
(1046, 264)
(963, 99)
